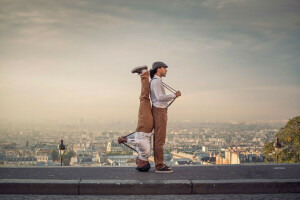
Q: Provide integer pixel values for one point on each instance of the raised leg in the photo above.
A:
(145, 118)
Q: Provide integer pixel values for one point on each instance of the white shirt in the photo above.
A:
(157, 93)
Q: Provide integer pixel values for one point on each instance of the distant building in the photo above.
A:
(2, 158)
(86, 161)
(43, 158)
(120, 158)
(198, 155)
(181, 161)
(231, 157)
(85, 140)
(208, 160)
(73, 161)
(208, 148)
(115, 147)
(238, 156)
(20, 161)
(95, 157)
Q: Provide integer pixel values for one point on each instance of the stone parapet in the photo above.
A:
(216, 179)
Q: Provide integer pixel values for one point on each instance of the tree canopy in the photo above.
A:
(289, 137)
(67, 157)
(54, 154)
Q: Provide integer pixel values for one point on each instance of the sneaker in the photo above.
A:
(168, 166)
(139, 69)
(164, 170)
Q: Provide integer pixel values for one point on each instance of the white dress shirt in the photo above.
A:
(157, 93)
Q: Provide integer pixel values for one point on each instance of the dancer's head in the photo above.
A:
(159, 69)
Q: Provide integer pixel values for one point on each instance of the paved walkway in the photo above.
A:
(289, 196)
(216, 179)
(215, 172)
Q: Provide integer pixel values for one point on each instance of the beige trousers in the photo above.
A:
(145, 119)
(160, 130)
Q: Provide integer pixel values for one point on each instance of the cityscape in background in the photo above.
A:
(95, 143)
(67, 64)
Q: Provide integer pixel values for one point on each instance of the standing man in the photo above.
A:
(159, 111)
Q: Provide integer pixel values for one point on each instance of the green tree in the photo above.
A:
(67, 157)
(269, 151)
(69, 154)
(289, 137)
(54, 154)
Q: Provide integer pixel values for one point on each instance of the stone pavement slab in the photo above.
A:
(39, 186)
(245, 186)
(288, 196)
(214, 172)
(126, 187)
(148, 187)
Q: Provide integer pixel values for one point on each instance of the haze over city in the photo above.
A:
(232, 60)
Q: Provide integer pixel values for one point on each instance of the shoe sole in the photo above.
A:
(163, 172)
(137, 68)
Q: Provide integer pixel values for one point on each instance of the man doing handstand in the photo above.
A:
(141, 139)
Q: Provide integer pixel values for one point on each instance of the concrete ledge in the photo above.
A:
(36, 186)
(148, 187)
(246, 186)
(136, 187)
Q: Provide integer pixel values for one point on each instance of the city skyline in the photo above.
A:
(232, 60)
(193, 143)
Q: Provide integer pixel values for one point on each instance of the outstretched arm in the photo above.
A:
(157, 89)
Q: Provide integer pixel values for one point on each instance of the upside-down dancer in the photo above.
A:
(141, 138)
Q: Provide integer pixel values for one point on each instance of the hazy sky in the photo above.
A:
(71, 59)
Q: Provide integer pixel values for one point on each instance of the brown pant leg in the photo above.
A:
(160, 131)
(145, 118)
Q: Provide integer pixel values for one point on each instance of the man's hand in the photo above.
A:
(178, 94)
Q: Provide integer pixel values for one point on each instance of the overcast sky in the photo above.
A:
(231, 59)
